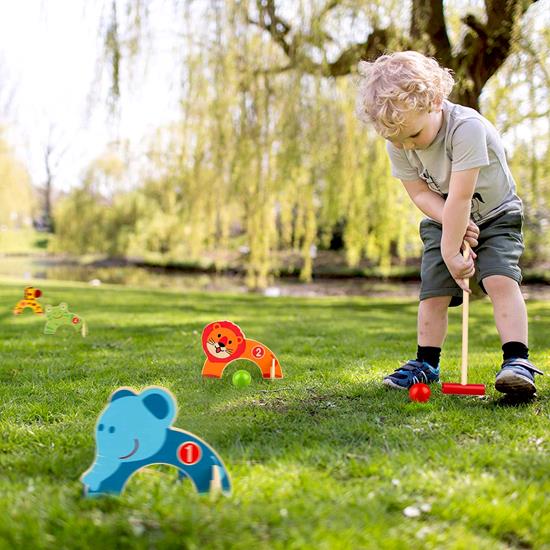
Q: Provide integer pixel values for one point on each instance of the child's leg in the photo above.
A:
(508, 307)
(432, 329)
(432, 321)
(517, 375)
(437, 291)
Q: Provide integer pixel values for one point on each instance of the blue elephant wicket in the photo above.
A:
(134, 431)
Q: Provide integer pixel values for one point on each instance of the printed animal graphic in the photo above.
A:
(57, 316)
(432, 184)
(476, 207)
(134, 431)
(30, 300)
(224, 342)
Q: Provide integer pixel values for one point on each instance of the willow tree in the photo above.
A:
(252, 176)
(84, 218)
(487, 40)
(518, 103)
(268, 152)
(17, 199)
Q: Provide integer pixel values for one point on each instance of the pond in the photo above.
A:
(34, 268)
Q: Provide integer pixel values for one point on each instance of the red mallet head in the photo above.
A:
(419, 392)
(463, 389)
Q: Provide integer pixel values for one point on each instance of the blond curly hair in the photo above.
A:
(396, 84)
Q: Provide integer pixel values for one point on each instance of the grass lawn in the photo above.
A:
(324, 459)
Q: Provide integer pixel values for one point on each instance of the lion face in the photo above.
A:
(223, 341)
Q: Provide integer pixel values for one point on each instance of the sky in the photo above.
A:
(49, 65)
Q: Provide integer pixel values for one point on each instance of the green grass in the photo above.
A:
(324, 459)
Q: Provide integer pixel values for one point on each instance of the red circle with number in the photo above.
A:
(189, 453)
(258, 352)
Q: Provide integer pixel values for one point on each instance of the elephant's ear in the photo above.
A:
(121, 392)
(160, 403)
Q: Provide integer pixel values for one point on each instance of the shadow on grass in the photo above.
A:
(515, 401)
(315, 427)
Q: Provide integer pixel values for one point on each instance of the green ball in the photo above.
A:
(241, 379)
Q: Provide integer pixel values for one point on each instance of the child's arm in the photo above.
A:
(431, 203)
(456, 216)
(428, 201)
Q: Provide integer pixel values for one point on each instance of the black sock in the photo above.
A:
(515, 349)
(428, 354)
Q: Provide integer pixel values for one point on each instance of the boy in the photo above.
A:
(452, 163)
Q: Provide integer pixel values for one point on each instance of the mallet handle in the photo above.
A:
(465, 314)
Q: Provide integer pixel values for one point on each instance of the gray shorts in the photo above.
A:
(498, 253)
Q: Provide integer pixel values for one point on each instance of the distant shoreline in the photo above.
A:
(325, 271)
(204, 278)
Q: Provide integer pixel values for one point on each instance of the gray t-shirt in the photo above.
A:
(465, 140)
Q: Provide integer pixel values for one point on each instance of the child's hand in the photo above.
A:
(461, 269)
(472, 233)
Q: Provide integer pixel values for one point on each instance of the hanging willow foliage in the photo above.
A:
(264, 161)
(17, 201)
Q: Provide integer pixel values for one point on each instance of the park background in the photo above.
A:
(221, 136)
(180, 148)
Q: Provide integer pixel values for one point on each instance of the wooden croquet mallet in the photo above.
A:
(464, 388)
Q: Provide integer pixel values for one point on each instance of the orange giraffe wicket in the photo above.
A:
(31, 294)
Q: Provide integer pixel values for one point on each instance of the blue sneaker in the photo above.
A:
(517, 377)
(412, 372)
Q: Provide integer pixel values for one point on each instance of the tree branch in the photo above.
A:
(376, 44)
(271, 22)
(428, 21)
(503, 17)
(279, 30)
(479, 28)
(484, 49)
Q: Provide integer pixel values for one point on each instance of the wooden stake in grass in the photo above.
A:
(215, 482)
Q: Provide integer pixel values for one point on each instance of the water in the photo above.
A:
(32, 268)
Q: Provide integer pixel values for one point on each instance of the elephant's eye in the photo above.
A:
(100, 427)
(219, 335)
(230, 341)
(111, 429)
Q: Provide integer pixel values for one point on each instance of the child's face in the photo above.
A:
(419, 130)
